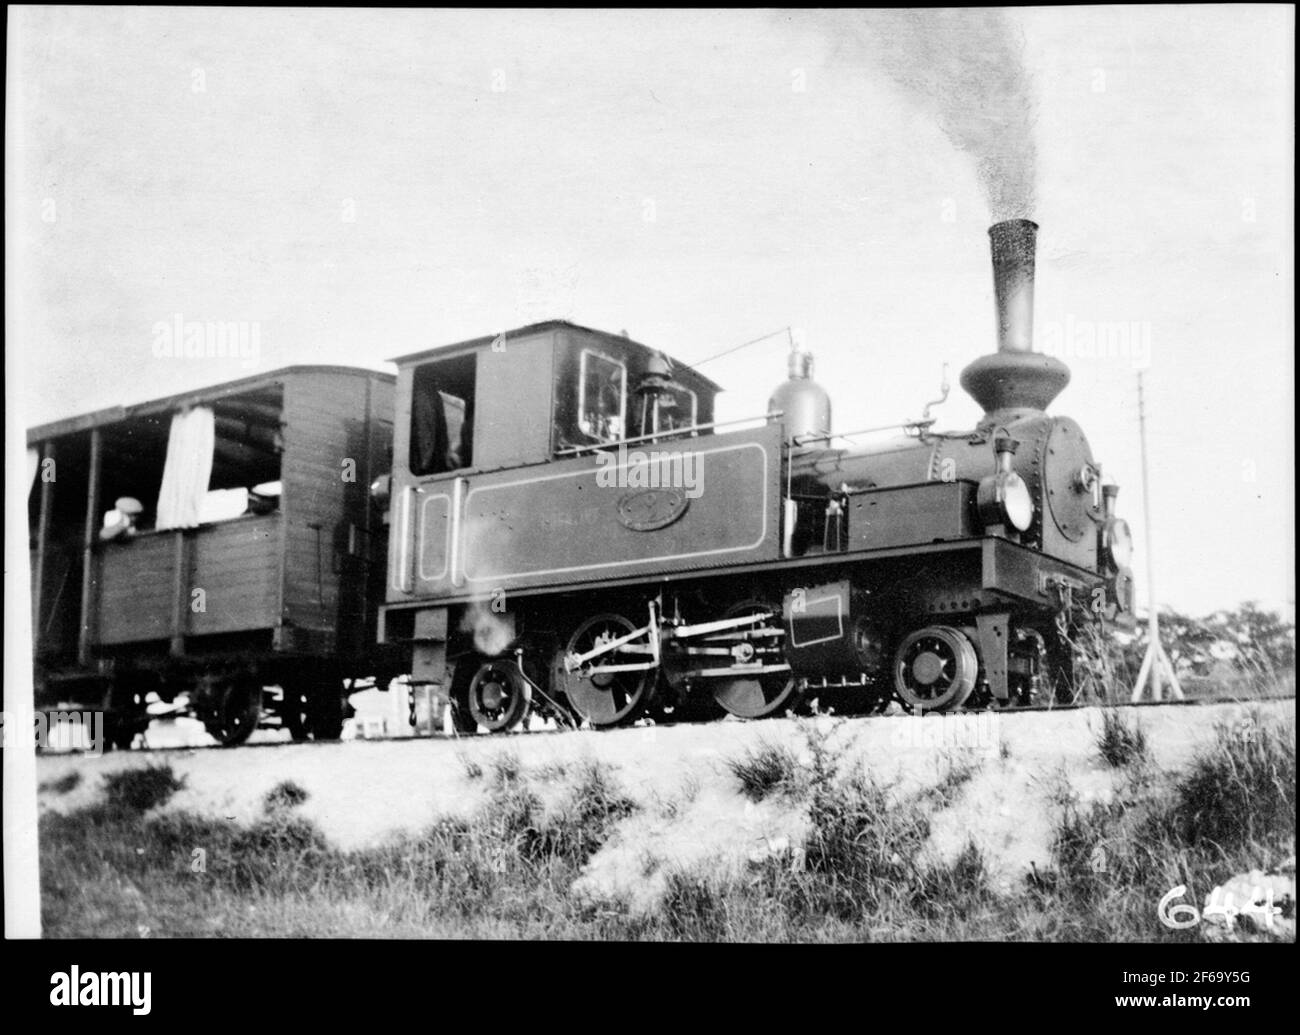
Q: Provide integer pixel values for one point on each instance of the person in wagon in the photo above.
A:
(119, 523)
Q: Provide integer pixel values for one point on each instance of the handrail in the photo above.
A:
(668, 434)
(803, 440)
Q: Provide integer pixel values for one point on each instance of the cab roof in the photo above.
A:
(617, 341)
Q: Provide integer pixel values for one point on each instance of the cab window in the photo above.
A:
(602, 397)
(677, 408)
(442, 416)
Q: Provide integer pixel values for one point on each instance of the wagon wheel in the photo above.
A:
(234, 704)
(605, 698)
(325, 712)
(294, 712)
(935, 669)
(498, 696)
(313, 706)
(756, 697)
(126, 714)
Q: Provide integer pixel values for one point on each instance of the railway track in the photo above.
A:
(669, 724)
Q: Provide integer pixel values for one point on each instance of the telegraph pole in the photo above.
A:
(1156, 663)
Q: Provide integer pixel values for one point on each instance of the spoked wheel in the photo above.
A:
(935, 669)
(756, 697)
(605, 698)
(498, 696)
(232, 706)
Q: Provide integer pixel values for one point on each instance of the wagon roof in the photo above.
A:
(113, 414)
(616, 340)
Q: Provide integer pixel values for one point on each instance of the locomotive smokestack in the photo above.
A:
(1015, 378)
(1013, 243)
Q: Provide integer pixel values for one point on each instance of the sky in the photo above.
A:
(361, 184)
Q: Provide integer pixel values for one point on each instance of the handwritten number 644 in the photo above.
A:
(1182, 916)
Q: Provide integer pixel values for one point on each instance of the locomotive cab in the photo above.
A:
(536, 394)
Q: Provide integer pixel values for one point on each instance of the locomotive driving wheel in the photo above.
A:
(935, 669)
(605, 699)
(758, 696)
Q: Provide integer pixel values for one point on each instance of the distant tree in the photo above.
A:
(1189, 642)
(1248, 638)
(1257, 639)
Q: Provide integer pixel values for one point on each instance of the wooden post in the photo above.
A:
(42, 542)
(180, 586)
(89, 598)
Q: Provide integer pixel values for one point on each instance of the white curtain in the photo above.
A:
(189, 468)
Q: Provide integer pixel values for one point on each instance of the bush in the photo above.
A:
(139, 790)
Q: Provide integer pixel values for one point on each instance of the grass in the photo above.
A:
(765, 770)
(1233, 811)
(1119, 742)
(1242, 793)
(65, 784)
(505, 768)
(284, 795)
(862, 872)
(957, 770)
(111, 870)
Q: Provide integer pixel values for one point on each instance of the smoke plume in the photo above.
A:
(493, 633)
(965, 67)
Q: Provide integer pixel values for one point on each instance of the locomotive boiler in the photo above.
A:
(573, 533)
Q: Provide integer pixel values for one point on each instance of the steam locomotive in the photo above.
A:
(555, 523)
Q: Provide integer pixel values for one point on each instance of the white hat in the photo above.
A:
(127, 505)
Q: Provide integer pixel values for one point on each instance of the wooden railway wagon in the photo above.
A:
(259, 606)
